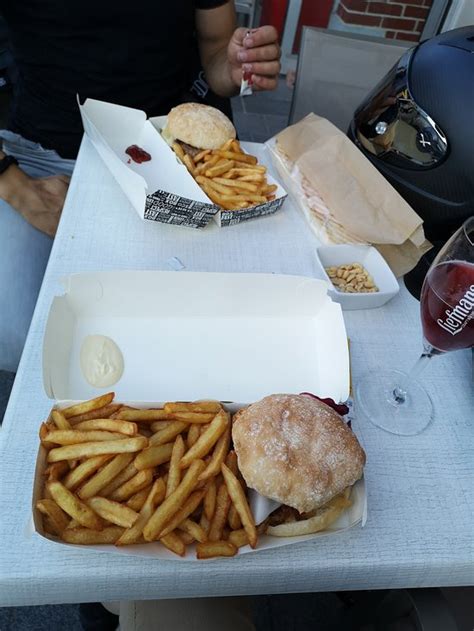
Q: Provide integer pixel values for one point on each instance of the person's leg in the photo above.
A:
(24, 253)
(192, 614)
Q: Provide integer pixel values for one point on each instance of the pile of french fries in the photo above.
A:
(119, 475)
(231, 178)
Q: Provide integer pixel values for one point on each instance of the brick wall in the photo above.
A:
(400, 19)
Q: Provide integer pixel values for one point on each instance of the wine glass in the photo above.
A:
(396, 401)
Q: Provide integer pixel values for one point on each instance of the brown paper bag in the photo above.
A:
(357, 204)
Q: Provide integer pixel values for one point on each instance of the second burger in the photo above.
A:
(297, 451)
(205, 141)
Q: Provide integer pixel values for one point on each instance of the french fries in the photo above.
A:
(134, 532)
(210, 500)
(178, 149)
(193, 529)
(153, 456)
(234, 519)
(231, 178)
(168, 433)
(88, 406)
(218, 456)
(105, 412)
(215, 549)
(60, 420)
(194, 417)
(178, 484)
(189, 506)
(104, 477)
(103, 458)
(223, 503)
(206, 440)
(171, 504)
(174, 543)
(138, 499)
(90, 537)
(57, 470)
(113, 512)
(73, 506)
(58, 518)
(109, 425)
(125, 474)
(72, 437)
(241, 505)
(156, 426)
(174, 473)
(239, 538)
(75, 477)
(205, 407)
(193, 434)
(143, 416)
(237, 157)
(139, 481)
(97, 448)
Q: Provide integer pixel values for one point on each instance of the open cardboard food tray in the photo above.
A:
(187, 336)
(161, 189)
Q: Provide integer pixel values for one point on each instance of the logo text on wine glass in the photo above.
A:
(457, 319)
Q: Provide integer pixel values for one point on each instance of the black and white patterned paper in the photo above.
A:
(233, 217)
(173, 209)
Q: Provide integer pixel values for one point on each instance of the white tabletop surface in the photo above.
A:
(420, 528)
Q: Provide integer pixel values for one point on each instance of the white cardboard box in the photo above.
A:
(161, 189)
(186, 336)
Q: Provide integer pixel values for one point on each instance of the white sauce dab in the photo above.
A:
(101, 361)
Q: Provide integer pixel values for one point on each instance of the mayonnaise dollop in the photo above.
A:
(101, 361)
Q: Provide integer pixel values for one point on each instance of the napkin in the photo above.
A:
(343, 196)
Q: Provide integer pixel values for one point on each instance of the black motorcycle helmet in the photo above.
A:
(417, 128)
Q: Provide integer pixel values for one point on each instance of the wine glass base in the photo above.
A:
(375, 399)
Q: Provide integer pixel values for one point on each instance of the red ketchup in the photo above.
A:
(138, 154)
(247, 76)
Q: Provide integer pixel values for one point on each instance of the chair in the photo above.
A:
(336, 71)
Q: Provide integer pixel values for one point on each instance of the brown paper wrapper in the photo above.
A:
(344, 197)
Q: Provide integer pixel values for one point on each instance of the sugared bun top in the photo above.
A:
(296, 450)
(201, 126)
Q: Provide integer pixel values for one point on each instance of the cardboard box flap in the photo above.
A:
(232, 337)
(112, 128)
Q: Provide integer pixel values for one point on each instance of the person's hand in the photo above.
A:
(256, 52)
(39, 200)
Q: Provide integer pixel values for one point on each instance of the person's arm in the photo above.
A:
(38, 200)
(226, 51)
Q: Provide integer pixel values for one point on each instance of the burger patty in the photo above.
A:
(189, 149)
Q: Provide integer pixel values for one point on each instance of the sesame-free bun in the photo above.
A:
(201, 126)
(296, 450)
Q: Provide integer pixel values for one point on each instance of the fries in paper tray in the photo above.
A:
(170, 185)
(174, 479)
(165, 477)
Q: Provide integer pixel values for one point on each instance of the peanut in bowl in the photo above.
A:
(358, 276)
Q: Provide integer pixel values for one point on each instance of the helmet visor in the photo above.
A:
(392, 126)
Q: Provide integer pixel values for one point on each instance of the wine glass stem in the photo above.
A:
(400, 392)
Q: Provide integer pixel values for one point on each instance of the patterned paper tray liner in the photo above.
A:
(169, 208)
(173, 209)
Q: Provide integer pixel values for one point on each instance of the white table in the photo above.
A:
(419, 531)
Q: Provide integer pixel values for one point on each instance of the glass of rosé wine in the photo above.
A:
(396, 401)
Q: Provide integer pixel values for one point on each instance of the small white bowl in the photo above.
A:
(373, 262)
